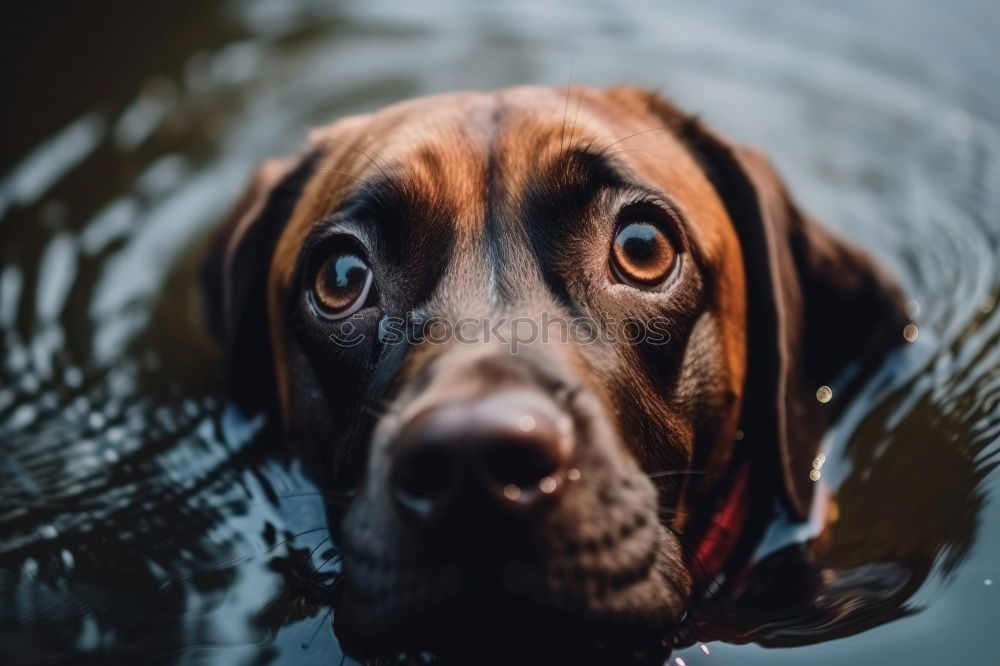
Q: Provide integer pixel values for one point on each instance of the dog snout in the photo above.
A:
(509, 452)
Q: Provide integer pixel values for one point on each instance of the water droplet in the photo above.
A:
(526, 423)
(814, 475)
(30, 383)
(30, 568)
(73, 377)
(680, 662)
(704, 648)
(824, 394)
(819, 460)
(22, 417)
(910, 332)
(96, 420)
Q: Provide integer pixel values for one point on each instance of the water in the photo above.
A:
(139, 516)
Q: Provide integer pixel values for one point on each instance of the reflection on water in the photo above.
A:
(140, 516)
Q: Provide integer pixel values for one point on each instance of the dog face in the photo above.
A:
(530, 334)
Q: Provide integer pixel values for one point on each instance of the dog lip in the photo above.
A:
(464, 602)
(519, 633)
(456, 635)
(608, 592)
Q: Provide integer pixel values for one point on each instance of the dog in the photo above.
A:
(573, 498)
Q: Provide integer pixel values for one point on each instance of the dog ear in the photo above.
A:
(819, 308)
(818, 303)
(235, 273)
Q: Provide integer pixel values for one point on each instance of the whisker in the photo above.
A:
(626, 138)
(319, 625)
(296, 536)
(569, 91)
(328, 560)
(368, 157)
(344, 173)
(326, 494)
(576, 115)
(372, 160)
(303, 573)
(317, 491)
(318, 546)
(680, 472)
(622, 151)
(692, 557)
(374, 193)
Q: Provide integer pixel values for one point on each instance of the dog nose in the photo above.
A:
(509, 450)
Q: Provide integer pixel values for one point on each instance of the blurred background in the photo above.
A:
(140, 517)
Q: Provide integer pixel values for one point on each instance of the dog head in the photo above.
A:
(532, 336)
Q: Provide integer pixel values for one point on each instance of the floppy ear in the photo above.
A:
(236, 269)
(816, 303)
(819, 309)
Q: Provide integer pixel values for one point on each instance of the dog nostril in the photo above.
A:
(517, 465)
(508, 451)
(423, 479)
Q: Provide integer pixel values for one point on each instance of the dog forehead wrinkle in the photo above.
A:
(471, 171)
(498, 225)
(523, 157)
(481, 161)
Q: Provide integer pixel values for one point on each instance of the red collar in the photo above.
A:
(712, 552)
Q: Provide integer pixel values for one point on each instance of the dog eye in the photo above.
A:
(642, 255)
(342, 284)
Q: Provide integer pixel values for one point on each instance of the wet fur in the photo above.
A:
(503, 203)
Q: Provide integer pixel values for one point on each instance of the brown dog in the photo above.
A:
(559, 348)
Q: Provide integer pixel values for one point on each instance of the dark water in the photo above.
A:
(140, 517)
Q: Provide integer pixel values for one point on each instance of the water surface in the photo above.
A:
(142, 517)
